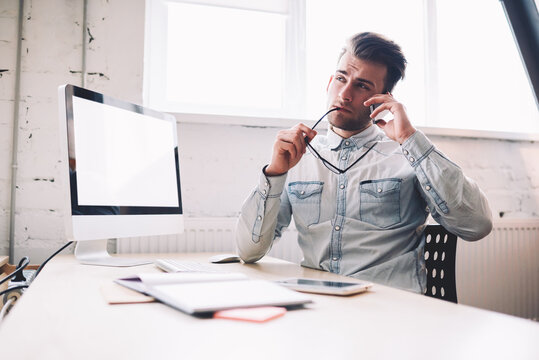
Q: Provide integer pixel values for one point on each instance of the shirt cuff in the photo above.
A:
(271, 186)
(416, 148)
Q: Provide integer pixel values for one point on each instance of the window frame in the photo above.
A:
(154, 88)
(295, 57)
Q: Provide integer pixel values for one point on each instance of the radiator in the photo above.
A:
(499, 273)
(210, 235)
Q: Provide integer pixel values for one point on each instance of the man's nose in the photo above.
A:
(346, 93)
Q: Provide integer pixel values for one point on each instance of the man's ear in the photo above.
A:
(329, 82)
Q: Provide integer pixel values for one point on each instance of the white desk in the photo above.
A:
(64, 316)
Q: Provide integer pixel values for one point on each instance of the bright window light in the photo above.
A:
(275, 57)
(482, 81)
(330, 23)
(224, 58)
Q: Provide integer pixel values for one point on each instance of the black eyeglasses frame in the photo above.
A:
(326, 163)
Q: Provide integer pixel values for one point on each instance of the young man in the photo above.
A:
(360, 196)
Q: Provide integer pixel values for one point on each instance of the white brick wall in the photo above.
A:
(51, 56)
(220, 163)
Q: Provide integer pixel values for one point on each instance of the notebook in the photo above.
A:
(197, 293)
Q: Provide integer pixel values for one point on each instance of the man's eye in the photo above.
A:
(363, 86)
(339, 78)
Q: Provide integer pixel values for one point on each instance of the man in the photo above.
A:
(360, 196)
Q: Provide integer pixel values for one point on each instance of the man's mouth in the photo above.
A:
(343, 110)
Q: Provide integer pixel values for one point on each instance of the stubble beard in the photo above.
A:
(351, 123)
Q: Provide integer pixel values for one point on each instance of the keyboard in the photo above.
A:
(174, 265)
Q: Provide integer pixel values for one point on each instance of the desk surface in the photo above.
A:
(64, 316)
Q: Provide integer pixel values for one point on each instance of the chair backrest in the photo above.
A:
(440, 255)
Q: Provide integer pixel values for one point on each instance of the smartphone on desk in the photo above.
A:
(325, 286)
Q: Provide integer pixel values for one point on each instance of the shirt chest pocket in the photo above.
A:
(305, 197)
(380, 202)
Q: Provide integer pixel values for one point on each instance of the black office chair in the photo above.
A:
(440, 255)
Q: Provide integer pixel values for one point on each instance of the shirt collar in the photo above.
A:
(359, 140)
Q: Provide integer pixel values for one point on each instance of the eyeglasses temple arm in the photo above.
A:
(316, 123)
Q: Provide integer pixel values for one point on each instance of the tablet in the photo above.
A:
(325, 287)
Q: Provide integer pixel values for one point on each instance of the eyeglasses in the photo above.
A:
(326, 163)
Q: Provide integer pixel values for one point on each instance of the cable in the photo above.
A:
(50, 257)
(15, 139)
(10, 296)
(18, 287)
(22, 264)
(18, 274)
(6, 307)
(85, 29)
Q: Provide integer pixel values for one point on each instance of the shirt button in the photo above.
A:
(342, 186)
(347, 143)
(427, 187)
(337, 227)
(343, 158)
(405, 152)
(259, 217)
(302, 192)
(412, 159)
(266, 184)
(379, 190)
(335, 259)
(264, 191)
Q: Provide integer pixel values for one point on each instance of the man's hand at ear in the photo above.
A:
(399, 128)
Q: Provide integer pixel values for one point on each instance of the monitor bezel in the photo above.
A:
(75, 91)
(92, 231)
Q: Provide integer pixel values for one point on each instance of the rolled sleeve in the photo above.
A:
(456, 202)
(269, 188)
(256, 226)
(416, 148)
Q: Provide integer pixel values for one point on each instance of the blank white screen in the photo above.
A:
(123, 158)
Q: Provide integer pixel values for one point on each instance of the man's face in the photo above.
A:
(354, 82)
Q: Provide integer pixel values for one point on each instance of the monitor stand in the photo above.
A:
(94, 252)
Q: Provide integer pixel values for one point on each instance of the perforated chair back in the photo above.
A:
(440, 255)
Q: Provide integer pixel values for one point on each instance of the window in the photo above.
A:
(327, 33)
(205, 78)
(274, 58)
(226, 57)
(459, 74)
(481, 79)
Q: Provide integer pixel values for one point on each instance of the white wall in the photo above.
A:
(507, 171)
(220, 163)
(51, 56)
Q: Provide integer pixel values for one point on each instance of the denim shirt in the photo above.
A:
(368, 222)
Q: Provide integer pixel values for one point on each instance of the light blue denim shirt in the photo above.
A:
(368, 222)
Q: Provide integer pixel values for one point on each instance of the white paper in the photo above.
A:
(187, 277)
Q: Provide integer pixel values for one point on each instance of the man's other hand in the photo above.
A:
(288, 149)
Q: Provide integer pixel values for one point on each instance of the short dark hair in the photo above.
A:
(377, 48)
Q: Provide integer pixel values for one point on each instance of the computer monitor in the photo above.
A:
(121, 175)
